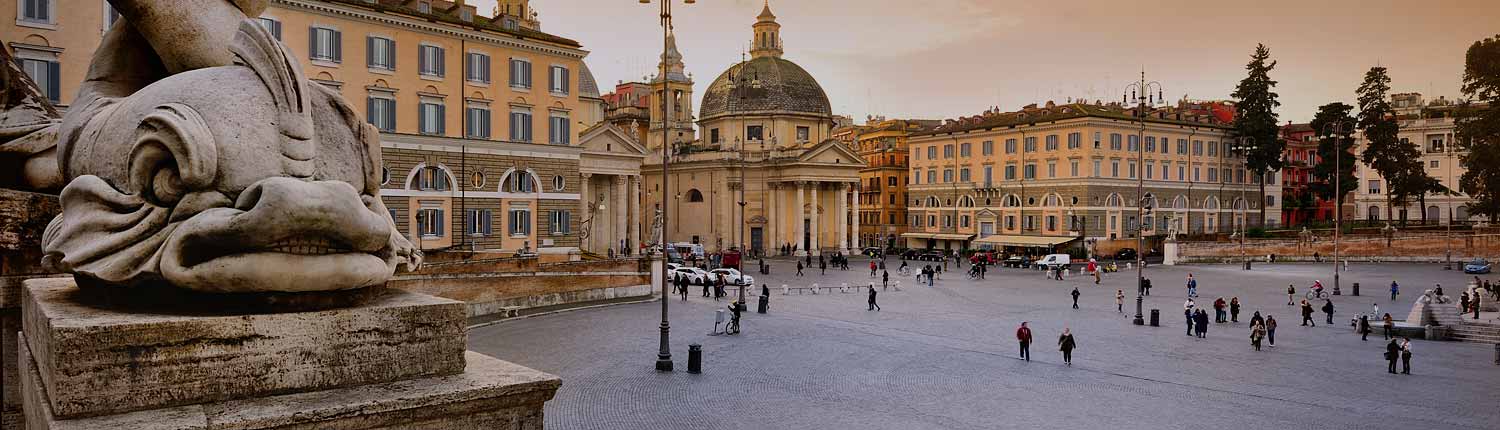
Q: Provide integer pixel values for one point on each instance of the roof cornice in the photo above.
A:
(517, 42)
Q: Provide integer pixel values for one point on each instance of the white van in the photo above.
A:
(689, 250)
(1053, 261)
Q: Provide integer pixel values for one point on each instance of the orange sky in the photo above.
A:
(944, 58)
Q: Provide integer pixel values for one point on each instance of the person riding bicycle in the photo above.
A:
(734, 320)
(1317, 287)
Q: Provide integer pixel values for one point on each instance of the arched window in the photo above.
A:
(932, 202)
(966, 201)
(1051, 200)
(521, 181)
(1011, 201)
(694, 196)
(1211, 203)
(1181, 202)
(1373, 214)
(1114, 200)
(433, 178)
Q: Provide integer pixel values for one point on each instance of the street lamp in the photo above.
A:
(664, 351)
(1243, 145)
(1338, 129)
(1141, 92)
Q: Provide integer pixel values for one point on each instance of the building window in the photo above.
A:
(325, 44)
(932, 152)
(1010, 146)
(947, 151)
(430, 222)
(1133, 143)
(1213, 148)
(478, 68)
(713, 135)
(1097, 170)
(46, 75)
(380, 53)
(1165, 145)
(1114, 169)
(477, 223)
(561, 222)
(430, 61)
(1075, 140)
(965, 150)
(1197, 147)
(989, 176)
(1010, 172)
(891, 181)
(559, 183)
(1213, 175)
(1051, 142)
(37, 11)
(1030, 171)
(1051, 169)
(270, 24)
(802, 133)
(1096, 139)
(520, 124)
(1030, 145)
(380, 110)
(1150, 143)
(424, 6)
(557, 81)
(1374, 186)
(932, 176)
(430, 116)
(1073, 168)
(1150, 170)
(1114, 141)
(963, 174)
(521, 181)
(477, 121)
(947, 176)
(520, 221)
(987, 148)
(559, 131)
(1433, 164)
(754, 132)
(1182, 146)
(432, 179)
(520, 73)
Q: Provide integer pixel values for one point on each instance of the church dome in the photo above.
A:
(766, 84)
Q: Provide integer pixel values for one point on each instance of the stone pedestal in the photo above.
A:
(23, 217)
(396, 361)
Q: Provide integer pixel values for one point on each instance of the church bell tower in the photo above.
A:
(679, 127)
(767, 35)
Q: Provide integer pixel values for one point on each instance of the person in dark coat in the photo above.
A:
(1328, 309)
(799, 268)
(1202, 322)
(885, 279)
(1405, 356)
(1234, 309)
(1146, 285)
(1256, 319)
(873, 306)
(1066, 343)
(822, 267)
(1023, 335)
(1392, 352)
(1075, 297)
(1364, 327)
(1271, 330)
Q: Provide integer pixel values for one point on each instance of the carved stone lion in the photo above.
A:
(198, 155)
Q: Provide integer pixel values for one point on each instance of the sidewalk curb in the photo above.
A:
(558, 311)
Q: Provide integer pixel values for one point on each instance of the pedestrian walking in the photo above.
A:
(1234, 309)
(1291, 291)
(1120, 301)
(885, 280)
(1257, 332)
(799, 268)
(822, 267)
(682, 287)
(1364, 327)
(1187, 312)
(1307, 313)
(706, 285)
(1271, 330)
(1388, 323)
(1146, 285)
(1075, 297)
(1201, 321)
(1192, 286)
(1023, 335)
(1328, 309)
(1475, 304)
(1219, 305)
(1374, 309)
(1256, 319)
(1405, 356)
(1392, 352)
(1395, 289)
(1066, 343)
(872, 269)
(873, 306)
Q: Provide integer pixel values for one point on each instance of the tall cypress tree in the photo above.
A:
(1255, 117)
(1327, 154)
(1478, 127)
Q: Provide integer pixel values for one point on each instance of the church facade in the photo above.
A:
(765, 175)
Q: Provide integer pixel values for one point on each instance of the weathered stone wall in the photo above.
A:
(1425, 246)
(493, 285)
(23, 217)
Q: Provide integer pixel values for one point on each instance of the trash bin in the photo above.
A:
(695, 358)
(1497, 354)
(761, 307)
(1156, 317)
(1247, 264)
(1356, 288)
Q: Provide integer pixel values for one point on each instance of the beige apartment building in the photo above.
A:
(1430, 126)
(882, 144)
(1045, 176)
(480, 115)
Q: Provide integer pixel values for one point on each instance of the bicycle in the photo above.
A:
(1317, 294)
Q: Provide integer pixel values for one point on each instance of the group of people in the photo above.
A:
(1065, 343)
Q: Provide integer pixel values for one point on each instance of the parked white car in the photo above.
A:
(694, 275)
(733, 276)
(1053, 261)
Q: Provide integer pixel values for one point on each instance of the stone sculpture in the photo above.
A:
(198, 155)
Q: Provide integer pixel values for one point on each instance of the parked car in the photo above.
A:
(934, 255)
(1017, 262)
(872, 252)
(695, 276)
(1053, 261)
(1478, 266)
(1125, 254)
(732, 276)
(911, 254)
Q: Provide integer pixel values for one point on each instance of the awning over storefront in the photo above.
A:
(1024, 241)
(940, 236)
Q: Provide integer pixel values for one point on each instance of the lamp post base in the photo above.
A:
(1139, 319)
(664, 357)
(663, 364)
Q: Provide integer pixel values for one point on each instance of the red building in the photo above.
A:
(1299, 204)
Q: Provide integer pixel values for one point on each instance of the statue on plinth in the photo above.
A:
(198, 155)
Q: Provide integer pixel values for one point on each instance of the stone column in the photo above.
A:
(843, 218)
(857, 213)
(797, 231)
(634, 223)
(772, 242)
(618, 213)
(585, 198)
(817, 243)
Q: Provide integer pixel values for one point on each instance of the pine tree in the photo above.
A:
(1478, 127)
(1255, 117)
(1384, 151)
(1324, 170)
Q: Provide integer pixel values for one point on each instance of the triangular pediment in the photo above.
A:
(606, 138)
(831, 152)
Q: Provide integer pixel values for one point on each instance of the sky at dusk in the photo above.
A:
(946, 58)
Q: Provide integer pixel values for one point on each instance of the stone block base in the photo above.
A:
(489, 394)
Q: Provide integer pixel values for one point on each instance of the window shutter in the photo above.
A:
(338, 45)
(370, 51)
(370, 113)
(421, 59)
(312, 42)
(512, 76)
(485, 66)
(440, 58)
(526, 72)
(565, 85)
(441, 110)
(567, 129)
(439, 222)
(54, 90)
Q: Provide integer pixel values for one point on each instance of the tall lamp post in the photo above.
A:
(1144, 99)
(1336, 130)
(1243, 145)
(664, 352)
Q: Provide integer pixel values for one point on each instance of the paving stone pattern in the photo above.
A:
(945, 357)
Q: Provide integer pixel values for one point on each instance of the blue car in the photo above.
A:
(1478, 266)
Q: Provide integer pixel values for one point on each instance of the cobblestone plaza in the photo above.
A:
(946, 357)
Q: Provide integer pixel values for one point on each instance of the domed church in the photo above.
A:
(762, 142)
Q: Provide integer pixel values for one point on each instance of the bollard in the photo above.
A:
(815, 289)
(695, 358)
(1156, 317)
(785, 289)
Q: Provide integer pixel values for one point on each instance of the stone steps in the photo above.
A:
(1475, 332)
